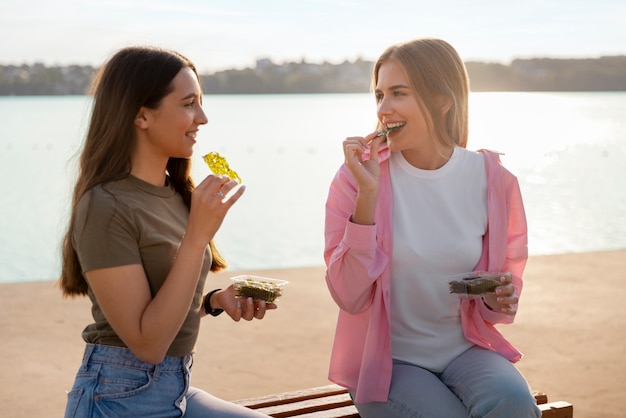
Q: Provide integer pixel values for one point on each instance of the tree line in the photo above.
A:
(535, 74)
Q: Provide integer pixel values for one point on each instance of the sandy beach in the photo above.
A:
(569, 327)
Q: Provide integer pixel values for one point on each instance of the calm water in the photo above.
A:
(568, 150)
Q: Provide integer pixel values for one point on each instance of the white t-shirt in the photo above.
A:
(439, 219)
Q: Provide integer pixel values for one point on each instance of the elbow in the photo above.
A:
(151, 358)
(353, 309)
(351, 304)
(149, 354)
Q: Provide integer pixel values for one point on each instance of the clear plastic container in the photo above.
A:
(476, 283)
(258, 287)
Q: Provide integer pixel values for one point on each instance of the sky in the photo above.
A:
(218, 35)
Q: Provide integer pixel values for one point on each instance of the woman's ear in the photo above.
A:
(141, 120)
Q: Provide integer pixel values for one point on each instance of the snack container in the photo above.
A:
(476, 283)
(258, 287)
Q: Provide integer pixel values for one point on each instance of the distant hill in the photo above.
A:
(536, 74)
(550, 74)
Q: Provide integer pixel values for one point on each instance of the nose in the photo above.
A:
(383, 107)
(201, 118)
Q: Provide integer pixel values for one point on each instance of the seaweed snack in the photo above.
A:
(476, 284)
(218, 165)
(388, 130)
(258, 288)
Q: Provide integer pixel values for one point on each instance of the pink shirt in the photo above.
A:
(358, 275)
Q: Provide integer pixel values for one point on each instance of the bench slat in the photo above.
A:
(344, 412)
(292, 396)
(333, 401)
(308, 406)
(558, 409)
(540, 397)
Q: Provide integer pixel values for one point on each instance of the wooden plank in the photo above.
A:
(540, 397)
(292, 396)
(307, 406)
(344, 412)
(333, 401)
(558, 409)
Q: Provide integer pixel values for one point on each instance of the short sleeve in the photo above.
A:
(104, 232)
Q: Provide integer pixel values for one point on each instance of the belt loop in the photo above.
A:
(89, 348)
(157, 371)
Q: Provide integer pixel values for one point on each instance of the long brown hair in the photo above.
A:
(434, 69)
(134, 77)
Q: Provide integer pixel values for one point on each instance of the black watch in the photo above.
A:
(207, 304)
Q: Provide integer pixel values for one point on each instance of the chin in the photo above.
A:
(391, 146)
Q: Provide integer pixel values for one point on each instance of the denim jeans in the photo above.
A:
(113, 382)
(478, 383)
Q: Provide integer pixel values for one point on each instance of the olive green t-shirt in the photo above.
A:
(133, 222)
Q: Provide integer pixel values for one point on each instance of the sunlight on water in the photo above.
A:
(567, 149)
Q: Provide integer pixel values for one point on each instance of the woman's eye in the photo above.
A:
(190, 104)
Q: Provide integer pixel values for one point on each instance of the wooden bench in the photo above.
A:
(333, 401)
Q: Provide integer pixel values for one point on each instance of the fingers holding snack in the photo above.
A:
(217, 193)
(495, 289)
(224, 189)
(211, 200)
(241, 307)
(504, 298)
(365, 169)
(220, 167)
(255, 309)
(355, 146)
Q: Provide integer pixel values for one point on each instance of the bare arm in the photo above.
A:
(149, 325)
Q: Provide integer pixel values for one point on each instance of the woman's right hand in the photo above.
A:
(366, 172)
(209, 206)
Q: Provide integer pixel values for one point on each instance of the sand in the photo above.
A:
(570, 327)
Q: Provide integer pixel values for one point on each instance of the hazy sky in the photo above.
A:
(235, 33)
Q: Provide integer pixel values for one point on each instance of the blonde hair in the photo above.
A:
(434, 69)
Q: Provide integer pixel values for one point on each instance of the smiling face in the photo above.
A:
(398, 108)
(170, 130)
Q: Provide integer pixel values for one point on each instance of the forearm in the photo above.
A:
(166, 312)
(351, 252)
(364, 208)
(354, 263)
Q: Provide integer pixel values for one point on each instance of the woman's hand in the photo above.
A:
(209, 207)
(238, 308)
(503, 299)
(366, 172)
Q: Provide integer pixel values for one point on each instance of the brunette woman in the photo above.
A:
(140, 243)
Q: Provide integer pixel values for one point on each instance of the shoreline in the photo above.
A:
(573, 341)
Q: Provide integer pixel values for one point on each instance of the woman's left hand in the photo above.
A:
(240, 308)
(503, 299)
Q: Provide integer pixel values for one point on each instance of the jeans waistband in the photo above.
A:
(98, 353)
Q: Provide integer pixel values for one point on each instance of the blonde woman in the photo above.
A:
(409, 210)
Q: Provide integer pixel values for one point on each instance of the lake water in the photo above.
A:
(567, 149)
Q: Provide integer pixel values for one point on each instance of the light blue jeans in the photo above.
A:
(113, 382)
(478, 383)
